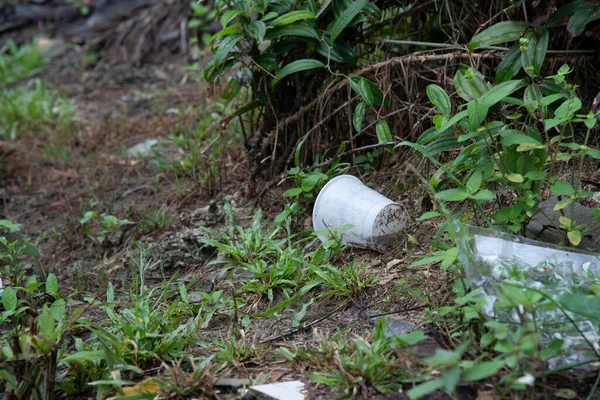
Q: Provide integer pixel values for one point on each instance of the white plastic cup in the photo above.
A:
(376, 220)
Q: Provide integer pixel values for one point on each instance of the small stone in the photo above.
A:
(596, 197)
(143, 149)
(393, 327)
(543, 225)
(395, 262)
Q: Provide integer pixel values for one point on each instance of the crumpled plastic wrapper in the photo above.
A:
(491, 258)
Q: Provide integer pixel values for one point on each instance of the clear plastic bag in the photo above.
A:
(491, 259)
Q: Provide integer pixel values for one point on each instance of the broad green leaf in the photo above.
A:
(257, 30)
(536, 51)
(52, 284)
(584, 15)
(345, 18)
(512, 136)
(563, 203)
(292, 192)
(429, 215)
(442, 144)
(297, 66)
(425, 388)
(291, 17)
(340, 52)
(482, 370)
(302, 30)
(585, 305)
(574, 237)
(483, 195)
(510, 65)
(383, 132)
(225, 47)
(568, 108)
(58, 309)
(410, 338)
(562, 188)
(474, 182)
(469, 84)
(230, 30)
(368, 91)
(45, 322)
(9, 299)
(507, 31)
(310, 181)
(359, 115)
(536, 175)
(516, 178)
(229, 16)
(91, 355)
(500, 92)
(439, 98)
(477, 112)
(456, 194)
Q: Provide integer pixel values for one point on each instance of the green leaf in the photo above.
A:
(301, 30)
(516, 178)
(536, 175)
(292, 192)
(584, 15)
(345, 18)
(291, 17)
(257, 30)
(562, 188)
(585, 305)
(361, 86)
(225, 47)
(442, 144)
(429, 215)
(482, 370)
(229, 16)
(563, 203)
(469, 84)
(474, 182)
(52, 284)
(455, 194)
(477, 113)
(359, 115)
(536, 51)
(500, 92)
(383, 132)
(574, 237)
(46, 322)
(483, 195)
(439, 98)
(58, 309)
(425, 388)
(510, 65)
(93, 355)
(501, 32)
(568, 108)
(9, 299)
(310, 181)
(299, 65)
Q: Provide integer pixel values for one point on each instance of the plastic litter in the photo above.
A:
(281, 391)
(492, 258)
(375, 220)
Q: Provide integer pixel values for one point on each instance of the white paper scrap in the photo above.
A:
(291, 390)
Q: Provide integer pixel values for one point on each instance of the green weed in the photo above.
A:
(31, 108)
(18, 62)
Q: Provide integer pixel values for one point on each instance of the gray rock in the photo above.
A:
(545, 224)
(141, 150)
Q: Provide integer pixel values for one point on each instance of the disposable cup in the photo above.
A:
(375, 220)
